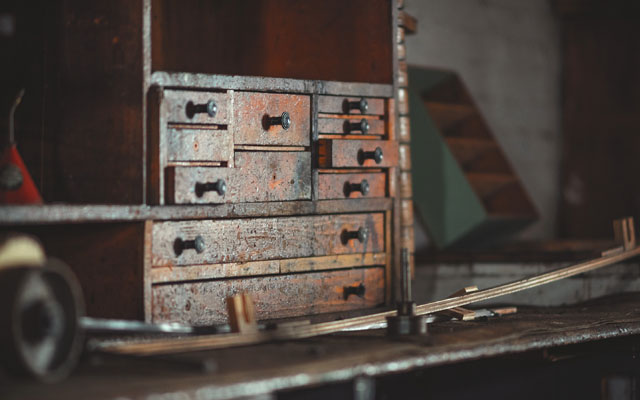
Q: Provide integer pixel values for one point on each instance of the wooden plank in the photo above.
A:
(268, 176)
(406, 212)
(406, 186)
(404, 129)
(340, 105)
(353, 153)
(403, 101)
(199, 145)
(343, 126)
(203, 303)
(339, 186)
(258, 239)
(407, 237)
(404, 157)
(252, 111)
(268, 267)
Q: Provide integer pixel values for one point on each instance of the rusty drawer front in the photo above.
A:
(258, 239)
(353, 153)
(340, 186)
(343, 126)
(199, 145)
(176, 107)
(204, 303)
(256, 176)
(252, 111)
(340, 105)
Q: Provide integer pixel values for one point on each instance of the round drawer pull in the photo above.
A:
(196, 244)
(283, 120)
(210, 108)
(219, 186)
(375, 155)
(362, 187)
(362, 234)
(361, 105)
(362, 126)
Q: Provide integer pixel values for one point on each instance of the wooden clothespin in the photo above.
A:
(461, 313)
(242, 314)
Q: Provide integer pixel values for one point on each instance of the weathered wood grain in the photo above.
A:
(269, 267)
(404, 129)
(252, 111)
(406, 188)
(340, 105)
(348, 153)
(403, 101)
(256, 177)
(199, 145)
(404, 157)
(406, 212)
(176, 102)
(337, 186)
(203, 303)
(258, 239)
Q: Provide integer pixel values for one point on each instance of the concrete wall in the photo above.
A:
(508, 54)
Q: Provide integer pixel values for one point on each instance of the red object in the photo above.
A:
(27, 193)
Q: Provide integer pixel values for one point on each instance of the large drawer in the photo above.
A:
(256, 176)
(177, 243)
(204, 302)
(256, 114)
(357, 153)
(191, 107)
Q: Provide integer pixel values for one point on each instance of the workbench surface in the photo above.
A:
(267, 368)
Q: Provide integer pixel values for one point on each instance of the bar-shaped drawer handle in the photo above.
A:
(283, 120)
(362, 126)
(219, 186)
(362, 187)
(359, 291)
(375, 155)
(361, 105)
(196, 244)
(210, 108)
(362, 234)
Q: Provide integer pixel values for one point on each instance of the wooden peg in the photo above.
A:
(242, 314)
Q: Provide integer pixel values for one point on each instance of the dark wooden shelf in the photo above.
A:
(68, 213)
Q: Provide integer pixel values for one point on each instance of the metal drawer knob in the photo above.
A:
(375, 155)
(219, 186)
(284, 121)
(359, 291)
(361, 235)
(209, 108)
(362, 126)
(362, 187)
(361, 105)
(197, 244)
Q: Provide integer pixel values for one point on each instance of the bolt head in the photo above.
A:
(221, 187)
(363, 234)
(200, 246)
(286, 120)
(212, 108)
(364, 126)
(364, 105)
(377, 155)
(364, 187)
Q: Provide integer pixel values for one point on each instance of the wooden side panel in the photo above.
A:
(338, 186)
(266, 238)
(404, 129)
(344, 126)
(199, 145)
(252, 113)
(257, 176)
(340, 105)
(203, 303)
(180, 111)
(352, 153)
(404, 161)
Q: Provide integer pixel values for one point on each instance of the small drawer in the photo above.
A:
(204, 302)
(357, 153)
(256, 176)
(199, 145)
(350, 105)
(239, 240)
(356, 126)
(189, 107)
(271, 119)
(356, 185)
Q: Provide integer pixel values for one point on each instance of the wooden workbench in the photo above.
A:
(342, 358)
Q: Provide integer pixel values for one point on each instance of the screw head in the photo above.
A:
(222, 187)
(363, 234)
(286, 120)
(363, 105)
(378, 156)
(364, 187)
(212, 108)
(199, 242)
(364, 126)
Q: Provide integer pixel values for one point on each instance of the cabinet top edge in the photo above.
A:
(236, 82)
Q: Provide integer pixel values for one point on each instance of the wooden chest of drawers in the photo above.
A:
(230, 156)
